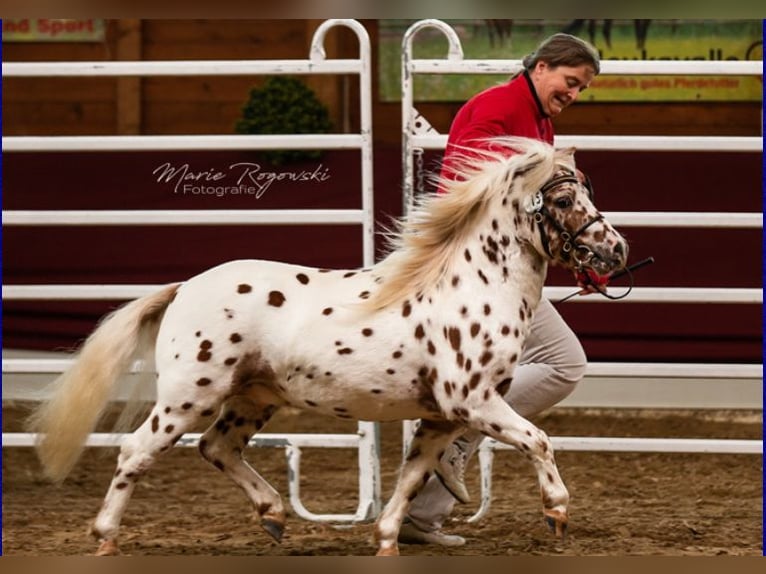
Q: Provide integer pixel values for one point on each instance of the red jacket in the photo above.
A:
(511, 109)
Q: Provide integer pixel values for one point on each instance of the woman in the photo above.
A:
(553, 361)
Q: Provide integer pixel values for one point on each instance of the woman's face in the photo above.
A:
(559, 87)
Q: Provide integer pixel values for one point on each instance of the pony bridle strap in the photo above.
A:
(582, 254)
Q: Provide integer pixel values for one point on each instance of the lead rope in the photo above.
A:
(626, 271)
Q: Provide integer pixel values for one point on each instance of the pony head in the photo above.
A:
(550, 200)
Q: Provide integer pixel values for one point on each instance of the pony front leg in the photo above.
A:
(427, 447)
(498, 420)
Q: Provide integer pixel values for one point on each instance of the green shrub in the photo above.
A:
(284, 105)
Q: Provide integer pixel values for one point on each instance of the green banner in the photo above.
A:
(615, 40)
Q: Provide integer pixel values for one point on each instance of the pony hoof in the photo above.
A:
(558, 522)
(391, 551)
(108, 548)
(273, 528)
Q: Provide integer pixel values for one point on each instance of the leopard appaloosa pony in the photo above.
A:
(432, 332)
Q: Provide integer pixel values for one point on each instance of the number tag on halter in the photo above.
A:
(533, 203)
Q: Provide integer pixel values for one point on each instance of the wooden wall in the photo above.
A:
(200, 105)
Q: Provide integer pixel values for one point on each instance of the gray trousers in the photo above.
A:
(551, 365)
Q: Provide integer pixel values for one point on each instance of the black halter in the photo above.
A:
(537, 207)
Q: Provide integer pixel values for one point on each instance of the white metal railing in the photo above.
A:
(366, 440)
(419, 135)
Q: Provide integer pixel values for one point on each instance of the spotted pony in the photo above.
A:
(432, 332)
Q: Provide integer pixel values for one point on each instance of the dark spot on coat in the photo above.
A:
(327, 311)
(454, 337)
(186, 406)
(367, 332)
(345, 351)
(244, 288)
(235, 338)
(169, 429)
(474, 382)
(406, 309)
(503, 386)
(203, 382)
(276, 298)
(475, 328)
(302, 278)
(155, 423)
(420, 332)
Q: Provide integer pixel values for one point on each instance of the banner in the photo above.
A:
(614, 39)
(52, 30)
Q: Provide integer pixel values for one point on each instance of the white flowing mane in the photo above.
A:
(424, 241)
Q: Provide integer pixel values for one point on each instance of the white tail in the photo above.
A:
(80, 394)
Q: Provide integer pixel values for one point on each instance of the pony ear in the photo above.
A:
(569, 150)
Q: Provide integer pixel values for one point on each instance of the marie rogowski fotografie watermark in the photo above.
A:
(236, 179)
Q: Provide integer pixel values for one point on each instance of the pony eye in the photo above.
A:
(563, 203)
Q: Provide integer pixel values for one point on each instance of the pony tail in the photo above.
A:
(79, 396)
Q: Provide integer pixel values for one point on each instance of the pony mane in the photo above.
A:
(423, 242)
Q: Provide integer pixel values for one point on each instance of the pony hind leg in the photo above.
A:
(496, 419)
(164, 426)
(427, 447)
(222, 445)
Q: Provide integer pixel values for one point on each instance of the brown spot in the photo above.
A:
(487, 309)
(203, 356)
(483, 277)
(198, 333)
(364, 295)
(376, 391)
(155, 423)
(454, 337)
(431, 347)
(235, 338)
(205, 345)
(448, 388)
(121, 485)
(397, 354)
(207, 413)
(475, 328)
(186, 406)
(203, 382)
(345, 351)
(391, 371)
(550, 477)
(406, 309)
(244, 288)
(474, 382)
(455, 281)
(496, 427)
(276, 298)
(467, 255)
(327, 311)
(460, 360)
(310, 403)
(420, 332)
(230, 361)
(485, 358)
(367, 332)
(505, 331)
(302, 278)
(169, 429)
(349, 274)
(167, 410)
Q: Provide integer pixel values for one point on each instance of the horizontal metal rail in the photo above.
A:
(180, 68)
(185, 217)
(637, 295)
(182, 143)
(604, 369)
(456, 65)
(321, 216)
(627, 143)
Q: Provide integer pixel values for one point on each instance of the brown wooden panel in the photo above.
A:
(30, 90)
(60, 118)
(214, 39)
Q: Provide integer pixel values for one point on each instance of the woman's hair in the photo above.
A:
(564, 50)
